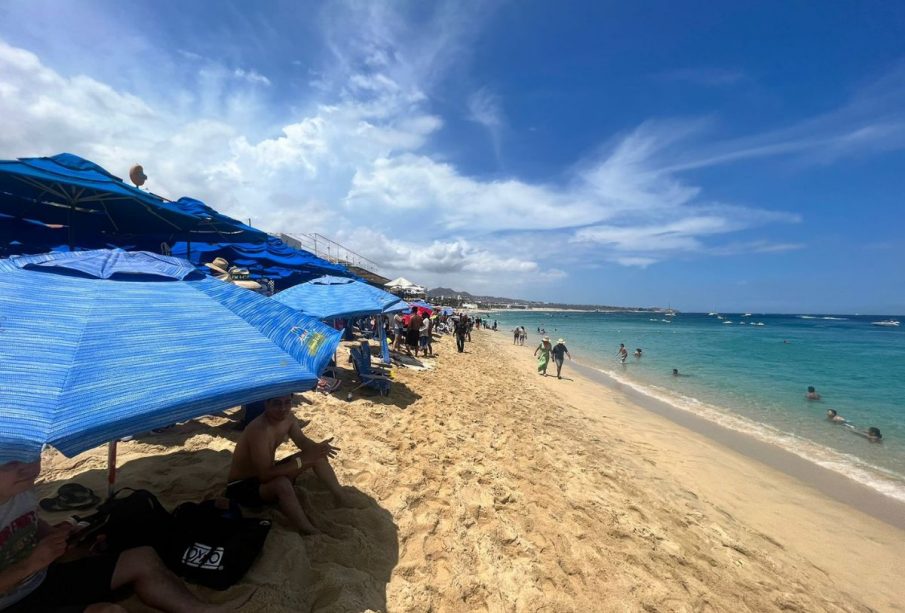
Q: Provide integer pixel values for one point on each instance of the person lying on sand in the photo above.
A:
(256, 480)
(31, 578)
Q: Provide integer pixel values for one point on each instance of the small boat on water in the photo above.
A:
(888, 323)
(747, 315)
(711, 314)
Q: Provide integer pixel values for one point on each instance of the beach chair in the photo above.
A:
(367, 377)
(328, 382)
(378, 367)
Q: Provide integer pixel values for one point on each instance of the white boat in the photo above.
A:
(747, 315)
(889, 323)
(712, 314)
(727, 322)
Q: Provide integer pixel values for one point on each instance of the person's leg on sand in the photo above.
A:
(327, 475)
(282, 492)
(558, 367)
(143, 570)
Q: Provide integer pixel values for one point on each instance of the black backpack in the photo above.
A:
(124, 521)
(212, 544)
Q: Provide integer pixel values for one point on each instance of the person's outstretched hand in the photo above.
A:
(328, 448)
(318, 451)
(52, 546)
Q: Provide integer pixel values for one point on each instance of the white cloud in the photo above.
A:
(251, 76)
(485, 108)
(359, 153)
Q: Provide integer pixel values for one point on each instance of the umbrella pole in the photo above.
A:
(111, 467)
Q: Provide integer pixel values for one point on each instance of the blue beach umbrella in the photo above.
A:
(422, 304)
(331, 297)
(97, 345)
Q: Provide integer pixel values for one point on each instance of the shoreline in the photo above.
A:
(846, 530)
(835, 485)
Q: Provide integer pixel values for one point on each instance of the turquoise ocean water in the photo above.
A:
(753, 378)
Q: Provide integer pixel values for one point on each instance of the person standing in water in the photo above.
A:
(544, 359)
(623, 353)
(812, 393)
(559, 351)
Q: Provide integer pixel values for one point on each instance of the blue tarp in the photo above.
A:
(273, 259)
(69, 190)
(85, 360)
(331, 297)
(216, 227)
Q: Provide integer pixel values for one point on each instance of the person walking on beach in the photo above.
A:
(430, 336)
(623, 352)
(516, 334)
(256, 480)
(413, 335)
(543, 360)
(559, 351)
(461, 330)
(424, 335)
(397, 331)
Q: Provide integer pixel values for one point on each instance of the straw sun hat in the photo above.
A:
(562, 340)
(547, 338)
(218, 265)
(226, 272)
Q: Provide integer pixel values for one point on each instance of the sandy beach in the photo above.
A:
(481, 486)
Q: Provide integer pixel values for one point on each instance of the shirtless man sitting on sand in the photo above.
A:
(255, 480)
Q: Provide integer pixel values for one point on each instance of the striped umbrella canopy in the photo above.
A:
(331, 297)
(97, 345)
(72, 191)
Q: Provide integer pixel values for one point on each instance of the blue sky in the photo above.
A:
(744, 157)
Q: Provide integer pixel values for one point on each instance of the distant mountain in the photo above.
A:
(447, 293)
(450, 296)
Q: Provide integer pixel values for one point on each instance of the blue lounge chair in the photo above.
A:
(367, 376)
(378, 367)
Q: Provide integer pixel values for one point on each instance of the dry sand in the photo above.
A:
(485, 487)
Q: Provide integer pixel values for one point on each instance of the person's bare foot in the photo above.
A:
(347, 500)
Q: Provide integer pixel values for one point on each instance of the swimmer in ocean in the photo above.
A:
(675, 372)
(833, 416)
(812, 393)
(638, 352)
(872, 434)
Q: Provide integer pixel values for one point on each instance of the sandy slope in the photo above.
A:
(486, 487)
